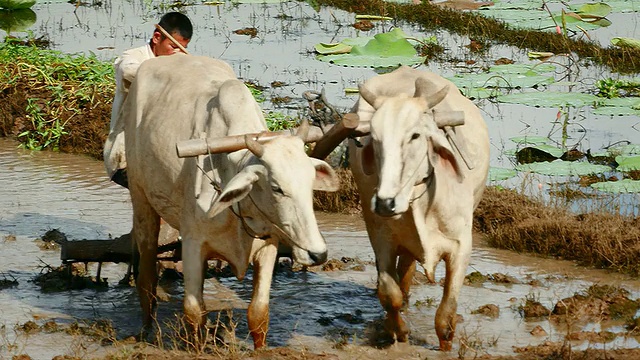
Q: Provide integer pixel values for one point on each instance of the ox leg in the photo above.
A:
(390, 294)
(406, 270)
(193, 267)
(446, 315)
(146, 226)
(258, 312)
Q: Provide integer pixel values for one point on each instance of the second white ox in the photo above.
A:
(417, 193)
(221, 204)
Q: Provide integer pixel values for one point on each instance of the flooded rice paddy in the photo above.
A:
(314, 310)
(40, 191)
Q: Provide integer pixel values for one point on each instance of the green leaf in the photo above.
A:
(616, 111)
(549, 99)
(336, 48)
(626, 42)
(524, 69)
(529, 139)
(497, 174)
(383, 50)
(628, 163)
(622, 186)
(629, 149)
(563, 168)
(501, 80)
(17, 20)
(593, 10)
(16, 4)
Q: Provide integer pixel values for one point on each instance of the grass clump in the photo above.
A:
(513, 221)
(53, 100)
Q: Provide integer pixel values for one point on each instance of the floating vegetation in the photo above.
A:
(17, 20)
(563, 168)
(622, 186)
(530, 15)
(549, 99)
(497, 174)
(383, 50)
(476, 26)
(510, 76)
(16, 4)
(626, 42)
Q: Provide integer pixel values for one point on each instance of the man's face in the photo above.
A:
(163, 46)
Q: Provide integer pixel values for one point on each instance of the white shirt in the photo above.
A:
(126, 66)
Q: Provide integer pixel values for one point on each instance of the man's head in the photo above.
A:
(176, 24)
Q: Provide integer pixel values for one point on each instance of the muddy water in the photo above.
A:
(43, 190)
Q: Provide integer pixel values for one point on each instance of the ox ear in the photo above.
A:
(326, 177)
(239, 187)
(430, 92)
(367, 159)
(440, 152)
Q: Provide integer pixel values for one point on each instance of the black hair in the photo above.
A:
(177, 22)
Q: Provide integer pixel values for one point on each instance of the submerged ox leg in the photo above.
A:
(391, 297)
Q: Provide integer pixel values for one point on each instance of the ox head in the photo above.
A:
(406, 146)
(275, 191)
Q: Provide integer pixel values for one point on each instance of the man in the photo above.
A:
(126, 66)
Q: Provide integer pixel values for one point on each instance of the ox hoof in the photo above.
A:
(445, 345)
(402, 337)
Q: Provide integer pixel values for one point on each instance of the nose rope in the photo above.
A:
(422, 180)
(247, 229)
(271, 221)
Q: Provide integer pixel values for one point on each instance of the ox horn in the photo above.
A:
(428, 90)
(368, 96)
(303, 130)
(255, 147)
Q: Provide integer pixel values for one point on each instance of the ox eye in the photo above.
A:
(276, 189)
(415, 136)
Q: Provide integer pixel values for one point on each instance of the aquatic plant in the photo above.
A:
(477, 26)
(389, 49)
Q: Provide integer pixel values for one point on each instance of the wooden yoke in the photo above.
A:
(325, 141)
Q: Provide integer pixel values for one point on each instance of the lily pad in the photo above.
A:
(529, 139)
(335, 48)
(628, 162)
(525, 69)
(510, 81)
(593, 10)
(497, 174)
(549, 99)
(622, 186)
(616, 111)
(564, 168)
(626, 42)
(389, 49)
(17, 20)
(629, 149)
(16, 4)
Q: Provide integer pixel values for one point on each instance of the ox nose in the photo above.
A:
(385, 207)
(318, 258)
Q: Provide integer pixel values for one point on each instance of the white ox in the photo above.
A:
(417, 193)
(256, 191)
